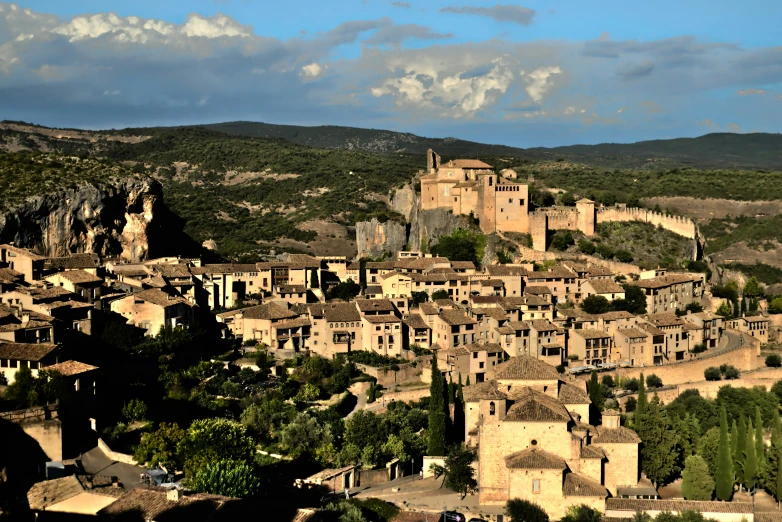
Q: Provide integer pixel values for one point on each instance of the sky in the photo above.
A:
(540, 73)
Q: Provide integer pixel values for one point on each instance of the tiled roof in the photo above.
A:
(620, 435)
(270, 311)
(632, 333)
(485, 299)
(172, 270)
(292, 323)
(570, 394)
(605, 286)
(494, 283)
(341, 312)
(291, 289)
(438, 278)
(519, 325)
(543, 325)
(537, 290)
(481, 347)
(71, 262)
(446, 303)
(160, 298)
(525, 368)
(612, 316)
(456, 317)
(496, 313)
(663, 281)
(416, 321)
(586, 333)
(373, 290)
(592, 452)
(505, 330)
(329, 473)
(462, 265)
(755, 319)
(428, 308)
(533, 406)
(506, 270)
(664, 319)
(153, 504)
(50, 492)
(26, 351)
(579, 486)
(534, 459)
(69, 368)
(382, 319)
(419, 263)
(486, 390)
(22, 252)
(705, 507)
(466, 164)
(375, 305)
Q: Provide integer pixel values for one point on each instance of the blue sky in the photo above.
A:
(531, 74)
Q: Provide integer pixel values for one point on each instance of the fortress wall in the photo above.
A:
(677, 224)
(562, 219)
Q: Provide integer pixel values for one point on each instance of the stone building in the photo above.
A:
(154, 309)
(534, 441)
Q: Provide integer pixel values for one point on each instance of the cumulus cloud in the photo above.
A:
(750, 92)
(503, 13)
(313, 70)
(539, 81)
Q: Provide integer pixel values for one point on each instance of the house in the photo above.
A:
(591, 346)
(258, 322)
(756, 326)
(21, 260)
(336, 328)
(634, 345)
(453, 328)
(670, 292)
(152, 310)
(15, 356)
(79, 494)
(418, 332)
(602, 287)
(534, 441)
(82, 283)
(711, 327)
(677, 334)
(82, 376)
(383, 334)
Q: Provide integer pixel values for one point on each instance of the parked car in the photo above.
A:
(453, 516)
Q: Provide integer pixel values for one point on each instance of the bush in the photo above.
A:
(698, 348)
(623, 256)
(519, 510)
(134, 410)
(632, 385)
(730, 372)
(630, 404)
(562, 239)
(605, 251)
(774, 360)
(653, 381)
(595, 304)
(586, 247)
(712, 374)
(440, 294)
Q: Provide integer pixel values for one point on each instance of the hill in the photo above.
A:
(717, 150)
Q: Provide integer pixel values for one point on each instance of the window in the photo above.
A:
(536, 486)
(377, 328)
(475, 355)
(492, 408)
(480, 365)
(533, 442)
(510, 200)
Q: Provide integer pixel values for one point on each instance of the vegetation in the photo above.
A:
(519, 510)
(697, 484)
(461, 245)
(437, 412)
(642, 244)
(761, 272)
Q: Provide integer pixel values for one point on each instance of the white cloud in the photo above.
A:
(538, 81)
(621, 110)
(313, 70)
(111, 93)
(750, 92)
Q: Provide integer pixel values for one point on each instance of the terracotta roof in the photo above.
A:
(664, 319)
(519, 325)
(620, 435)
(485, 299)
(373, 290)
(534, 459)
(481, 347)
(153, 504)
(69, 368)
(525, 368)
(755, 319)
(291, 289)
(456, 351)
(466, 164)
(537, 290)
(441, 270)
(605, 286)
(269, 311)
(159, 297)
(543, 325)
(528, 300)
(22, 252)
(534, 406)
(71, 262)
(228, 268)
(486, 390)
(416, 321)
(293, 323)
(612, 316)
(587, 333)
(462, 265)
(26, 351)
(335, 312)
(494, 283)
(172, 270)
(506, 270)
(632, 333)
(375, 305)
(592, 452)
(494, 312)
(447, 303)
(580, 486)
(456, 317)
(663, 281)
(438, 278)
(381, 319)
(569, 394)
(505, 330)
(429, 308)
(705, 507)
(419, 263)
(50, 492)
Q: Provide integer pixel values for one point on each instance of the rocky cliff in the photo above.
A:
(375, 239)
(113, 218)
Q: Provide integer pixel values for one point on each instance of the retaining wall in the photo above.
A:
(680, 225)
(115, 455)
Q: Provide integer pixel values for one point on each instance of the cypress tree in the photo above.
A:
(724, 462)
(643, 402)
(458, 413)
(750, 459)
(734, 441)
(741, 446)
(776, 428)
(447, 411)
(451, 390)
(778, 489)
(760, 447)
(467, 383)
(436, 445)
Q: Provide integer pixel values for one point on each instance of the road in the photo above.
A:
(96, 462)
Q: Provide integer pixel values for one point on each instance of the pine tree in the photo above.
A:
(750, 459)
(447, 412)
(436, 445)
(697, 484)
(724, 462)
(741, 446)
(760, 446)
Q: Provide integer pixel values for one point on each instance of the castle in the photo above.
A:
(469, 186)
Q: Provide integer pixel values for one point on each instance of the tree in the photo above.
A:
(643, 402)
(724, 310)
(586, 247)
(134, 410)
(160, 447)
(775, 306)
(231, 478)
(346, 291)
(623, 256)
(739, 456)
(440, 294)
(567, 199)
(773, 360)
(630, 405)
(594, 389)
(709, 449)
(697, 484)
(304, 434)
(595, 304)
(750, 459)
(659, 454)
(562, 239)
(458, 413)
(725, 466)
(653, 381)
(21, 392)
(418, 298)
(308, 393)
(730, 372)
(519, 510)
(461, 245)
(265, 419)
(459, 473)
(582, 513)
(712, 373)
(760, 446)
(751, 287)
(436, 446)
(209, 440)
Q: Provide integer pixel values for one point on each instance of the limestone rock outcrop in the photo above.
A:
(113, 218)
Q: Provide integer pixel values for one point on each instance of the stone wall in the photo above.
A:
(115, 455)
(406, 396)
(562, 219)
(41, 424)
(678, 224)
(388, 377)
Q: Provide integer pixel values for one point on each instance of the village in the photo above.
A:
(526, 339)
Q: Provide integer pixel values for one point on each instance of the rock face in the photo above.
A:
(115, 218)
(375, 239)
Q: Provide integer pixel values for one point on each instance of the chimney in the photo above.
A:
(174, 494)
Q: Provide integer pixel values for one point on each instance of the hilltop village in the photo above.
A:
(525, 342)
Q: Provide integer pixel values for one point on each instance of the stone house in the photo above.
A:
(84, 284)
(634, 345)
(534, 441)
(592, 346)
(23, 326)
(512, 277)
(711, 327)
(677, 334)
(21, 260)
(418, 332)
(453, 328)
(336, 328)
(152, 310)
(14, 356)
(603, 288)
(755, 325)
(257, 322)
(547, 341)
(532, 307)
(383, 334)
(395, 284)
(670, 292)
(560, 280)
(295, 294)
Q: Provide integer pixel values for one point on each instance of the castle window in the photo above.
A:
(491, 181)
(492, 409)
(510, 200)
(533, 442)
(536, 486)
(521, 202)
(456, 199)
